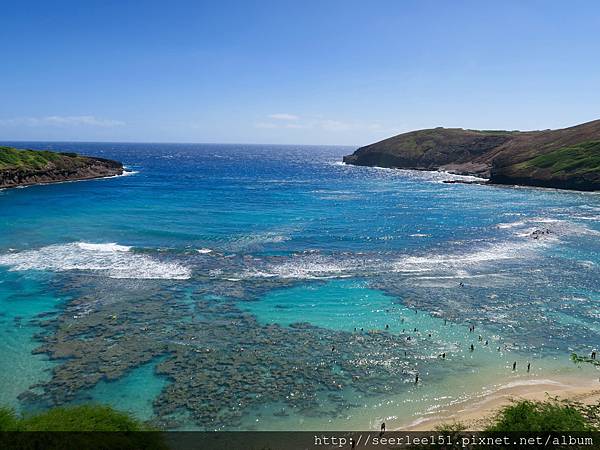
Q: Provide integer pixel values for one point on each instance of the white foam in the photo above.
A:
(127, 173)
(509, 225)
(110, 247)
(434, 265)
(435, 268)
(204, 251)
(109, 259)
(556, 227)
(519, 383)
(458, 260)
(312, 267)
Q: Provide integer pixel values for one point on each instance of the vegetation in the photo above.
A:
(77, 418)
(8, 420)
(531, 416)
(576, 159)
(78, 421)
(583, 359)
(527, 418)
(12, 158)
(547, 416)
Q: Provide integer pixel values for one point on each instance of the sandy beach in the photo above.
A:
(476, 415)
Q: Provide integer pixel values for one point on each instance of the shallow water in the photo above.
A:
(267, 287)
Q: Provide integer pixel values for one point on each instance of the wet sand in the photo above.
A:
(477, 414)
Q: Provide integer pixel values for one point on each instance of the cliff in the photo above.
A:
(568, 158)
(26, 167)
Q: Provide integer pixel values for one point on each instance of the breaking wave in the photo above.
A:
(110, 259)
(455, 261)
(308, 267)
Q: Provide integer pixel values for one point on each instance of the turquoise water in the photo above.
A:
(268, 287)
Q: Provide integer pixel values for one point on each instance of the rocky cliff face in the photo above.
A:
(568, 158)
(26, 167)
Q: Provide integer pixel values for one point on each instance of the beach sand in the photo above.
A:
(477, 414)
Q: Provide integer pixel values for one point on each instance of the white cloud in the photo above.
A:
(283, 116)
(60, 121)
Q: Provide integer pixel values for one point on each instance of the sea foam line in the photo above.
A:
(109, 259)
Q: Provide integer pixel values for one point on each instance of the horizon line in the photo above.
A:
(4, 141)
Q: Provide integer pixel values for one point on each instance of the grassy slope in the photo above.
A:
(572, 160)
(82, 418)
(12, 158)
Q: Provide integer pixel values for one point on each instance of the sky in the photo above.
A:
(293, 72)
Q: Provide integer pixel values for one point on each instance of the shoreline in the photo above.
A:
(477, 414)
(125, 173)
(478, 180)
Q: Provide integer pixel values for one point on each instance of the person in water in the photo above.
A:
(417, 379)
(472, 347)
(382, 429)
(514, 366)
(594, 354)
(528, 367)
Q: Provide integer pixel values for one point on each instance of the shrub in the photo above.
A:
(111, 429)
(547, 416)
(8, 420)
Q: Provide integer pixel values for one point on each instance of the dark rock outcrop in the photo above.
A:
(27, 167)
(567, 159)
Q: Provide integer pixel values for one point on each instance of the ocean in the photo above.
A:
(264, 287)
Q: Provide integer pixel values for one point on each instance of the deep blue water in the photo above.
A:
(284, 235)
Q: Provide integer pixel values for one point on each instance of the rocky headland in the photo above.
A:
(26, 167)
(567, 158)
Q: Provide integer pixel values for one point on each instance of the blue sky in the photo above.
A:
(293, 72)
